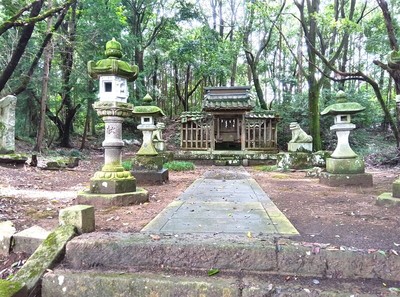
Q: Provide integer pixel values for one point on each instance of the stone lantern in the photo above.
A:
(344, 167)
(113, 185)
(147, 165)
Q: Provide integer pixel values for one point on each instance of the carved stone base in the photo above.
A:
(299, 147)
(106, 200)
(105, 182)
(337, 180)
(151, 176)
(345, 166)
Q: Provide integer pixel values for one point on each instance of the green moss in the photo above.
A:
(179, 166)
(10, 288)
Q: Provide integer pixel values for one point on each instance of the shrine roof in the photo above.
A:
(228, 98)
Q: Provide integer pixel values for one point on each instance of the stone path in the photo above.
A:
(225, 200)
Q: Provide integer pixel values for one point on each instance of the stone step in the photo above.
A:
(250, 253)
(99, 283)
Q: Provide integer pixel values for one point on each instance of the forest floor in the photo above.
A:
(340, 216)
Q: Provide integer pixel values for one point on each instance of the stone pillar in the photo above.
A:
(7, 124)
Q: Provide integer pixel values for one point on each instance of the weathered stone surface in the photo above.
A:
(29, 239)
(387, 199)
(12, 289)
(140, 250)
(7, 124)
(45, 257)
(80, 216)
(105, 200)
(294, 160)
(7, 230)
(300, 147)
(396, 188)
(151, 177)
(345, 166)
(112, 185)
(337, 180)
(145, 162)
(67, 283)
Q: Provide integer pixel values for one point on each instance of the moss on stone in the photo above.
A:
(11, 288)
(45, 256)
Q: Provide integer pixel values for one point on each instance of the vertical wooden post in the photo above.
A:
(243, 136)
(212, 135)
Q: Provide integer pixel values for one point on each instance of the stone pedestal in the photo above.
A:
(149, 169)
(345, 172)
(113, 185)
(300, 147)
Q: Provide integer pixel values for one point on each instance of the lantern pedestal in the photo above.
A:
(149, 169)
(113, 185)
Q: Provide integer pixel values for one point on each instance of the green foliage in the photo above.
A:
(179, 166)
(127, 164)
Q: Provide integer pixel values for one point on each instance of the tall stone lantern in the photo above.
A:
(147, 165)
(344, 167)
(113, 185)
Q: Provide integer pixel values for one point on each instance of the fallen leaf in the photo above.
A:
(394, 252)
(249, 234)
(213, 271)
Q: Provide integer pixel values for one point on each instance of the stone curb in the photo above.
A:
(108, 283)
(230, 253)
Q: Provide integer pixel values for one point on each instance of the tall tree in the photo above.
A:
(18, 19)
(393, 61)
(329, 44)
(267, 25)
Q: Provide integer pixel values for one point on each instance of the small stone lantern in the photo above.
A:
(113, 185)
(147, 165)
(344, 167)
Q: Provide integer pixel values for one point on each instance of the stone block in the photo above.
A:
(396, 189)
(7, 230)
(144, 162)
(300, 147)
(318, 159)
(106, 200)
(45, 257)
(337, 180)
(345, 166)
(294, 160)
(88, 283)
(112, 186)
(80, 216)
(12, 289)
(151, 177)
(387, 199)
(28, 240)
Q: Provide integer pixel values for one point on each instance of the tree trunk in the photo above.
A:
(21, 46)
(45, 84)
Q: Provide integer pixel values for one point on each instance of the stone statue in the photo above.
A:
(298, 134)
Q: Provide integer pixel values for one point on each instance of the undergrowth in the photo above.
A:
(179, 166)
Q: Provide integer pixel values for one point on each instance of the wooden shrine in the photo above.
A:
(228, 121)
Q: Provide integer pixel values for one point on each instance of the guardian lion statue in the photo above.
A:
(298, 134)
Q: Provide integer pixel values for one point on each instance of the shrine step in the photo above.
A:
(100, 283)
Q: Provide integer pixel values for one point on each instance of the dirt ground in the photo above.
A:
(344, 216)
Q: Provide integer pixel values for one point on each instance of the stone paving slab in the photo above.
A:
(222, 201)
